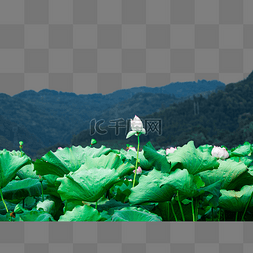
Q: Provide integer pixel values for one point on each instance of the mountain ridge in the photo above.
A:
(49, 117)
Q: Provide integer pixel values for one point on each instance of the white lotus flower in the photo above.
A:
(136, 126)
(220, 152)
(170, 150)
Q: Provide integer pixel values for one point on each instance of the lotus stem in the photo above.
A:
(42, 191)
(193, 216)
(219, 215)
(236, 215)
(196, 208)
(247, 205)
(3, 200)
(180, 206)
(212, 213)
(168, 210)
(65, 206)
(172, 208)
(136, 159)
(96, 205)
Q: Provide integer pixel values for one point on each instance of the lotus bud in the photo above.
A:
(220, 152)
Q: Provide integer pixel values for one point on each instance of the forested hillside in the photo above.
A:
(223, 118)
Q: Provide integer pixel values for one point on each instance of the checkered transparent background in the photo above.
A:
(99, 46)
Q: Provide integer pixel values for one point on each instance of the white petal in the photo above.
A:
(131, 133)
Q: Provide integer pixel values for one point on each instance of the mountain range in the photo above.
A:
(48, 117)
(223, 118)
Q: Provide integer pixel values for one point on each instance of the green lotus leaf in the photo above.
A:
(159, 161)
(19, 208)
(81, 213)
(206, 148)
(10, 164)
(66, 160)
(110, 205)
(242, 150)
(143, 162)
(105, 216)
(10, 206)
(6, 217)
(214, 190)
(135, 214)
(161, 152)
(52, 185)
(247, 161)
(245, 178)
(149, 190)
(36, 216)
(228, 171)
(47, 205)
(121, 190)
(109, 161)
(186, 184)
(87, 185)
(27, 171)
(193, 159)
(236, 201)
(20, 189)
(71, 203)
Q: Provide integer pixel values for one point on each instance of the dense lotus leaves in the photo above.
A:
(111, 205)
(109, 161)
(135, 214)
(149, 190)
(105, 216)
(186, 184)
(52, 185)
(19, 189)
(236, 201)
(9, 205)
(242, 150)
(66, 160)
(27, 171)
(161, 151)
(121, 190)
(227, 172)
(127, 154)
(33, 215)
(206, 148)
(193, 159)
(6, 217)
(159, 161)
(47, 205)
(143, 162)
(245, 178)
(36, 216)
(214, 189)
(87, 185)
(29, 202)
(71, 203)
(19, 208)
(246, 160)
(10, 164)
(81, 213)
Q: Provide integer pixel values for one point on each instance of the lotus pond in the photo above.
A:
(96, 184)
